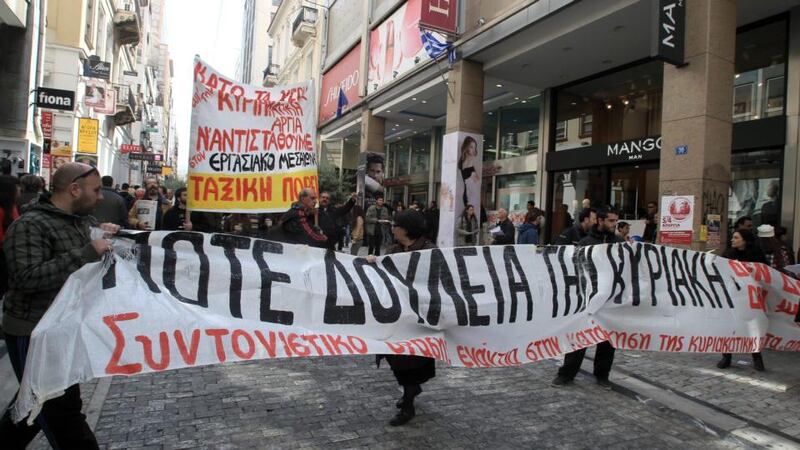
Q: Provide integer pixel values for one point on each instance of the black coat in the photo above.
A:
(297, 227)
(507, 235)
(570, 236)
(409, 370)
(600, 237)
(330, 219)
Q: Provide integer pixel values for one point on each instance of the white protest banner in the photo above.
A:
(192, 299)
(252, 148)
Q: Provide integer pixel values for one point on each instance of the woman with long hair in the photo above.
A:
(744, 247)
(8, 213)
(468, 227)
(357, 229)
(467, 158)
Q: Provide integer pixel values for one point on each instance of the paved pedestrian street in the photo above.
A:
(659, 400)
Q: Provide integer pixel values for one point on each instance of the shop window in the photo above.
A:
(616, 107)
(420, 153)
(89, 19)
(514, 191)
(570, 188)
(490, 135)
(519, 128)
(759, 86)
(756, 186)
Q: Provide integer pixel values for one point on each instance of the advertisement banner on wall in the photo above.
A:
(370, 177)
(439, 15)
(462, 165)
(396, 47)
(713, 230)
(677, 217)
(47, 161)
(60, 148)
(109, 105)
(47, 124)
(88, 132)
(341, 79)
(59, 161)
(95, 94)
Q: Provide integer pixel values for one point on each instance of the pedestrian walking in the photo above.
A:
(357, 227)
(744, 248)
(603, 232)
(409, 371)
(46, 245)
(468, 228)
(377, 218)
(529, 231)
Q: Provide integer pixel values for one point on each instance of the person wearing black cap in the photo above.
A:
(410, 371)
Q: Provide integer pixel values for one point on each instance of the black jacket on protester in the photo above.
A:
(330, 219)
(570, 236)
(600, 237)
(298, 228)
(507, 235)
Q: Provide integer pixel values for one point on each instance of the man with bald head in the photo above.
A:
(42, 248)
(504, 230)
(298, 223)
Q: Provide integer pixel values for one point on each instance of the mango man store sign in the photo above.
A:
(633, 150)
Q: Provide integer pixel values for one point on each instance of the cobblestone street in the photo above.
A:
(345, 402)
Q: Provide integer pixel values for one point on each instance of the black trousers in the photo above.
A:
(375, 242)
(61, 418)
(603, 359)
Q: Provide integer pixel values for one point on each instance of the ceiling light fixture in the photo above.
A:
(414, 99)
(424, 101)
(516, 98)
(625, 101)
(388, 111)
(410, 120)
(524, 101)
(608, 106)
(499, 85)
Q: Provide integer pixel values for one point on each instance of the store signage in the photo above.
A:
(88, 132)
(677, 218)
(130, 148)
(671, 30)
(439, 15)
(95, 68)
(395, 47)
(343, 77)
(633, 150)
(95, 94)
(47, 124)
(144, 157)
(153, 169)
(55, 99)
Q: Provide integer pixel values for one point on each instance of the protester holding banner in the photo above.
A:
(410, 371)
(377, 218)
(175, 218)
(603, 232)
(297, 224)
(331, 216)
(744, 247)
(43, 247)
(468, 228)
(572, 235)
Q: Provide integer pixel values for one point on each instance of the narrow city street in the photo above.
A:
(658, 401)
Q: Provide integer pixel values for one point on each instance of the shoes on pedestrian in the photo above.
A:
(758, 362)
(725, 362)
(403, 416)
(604, 383)
(560, 382)
(409, 392)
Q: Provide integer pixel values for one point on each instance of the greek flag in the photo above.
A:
(434, 48)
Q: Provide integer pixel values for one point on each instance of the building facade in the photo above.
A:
(576, 100)
(253, 64)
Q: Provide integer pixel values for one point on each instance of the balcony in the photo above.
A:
(127, 27)
(271, 75)
(126, 106)
(304, 25)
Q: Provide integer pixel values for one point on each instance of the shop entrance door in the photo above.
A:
(631, 188)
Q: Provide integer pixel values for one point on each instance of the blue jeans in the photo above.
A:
(61, 418)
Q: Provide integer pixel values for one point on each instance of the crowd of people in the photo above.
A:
(46, 237)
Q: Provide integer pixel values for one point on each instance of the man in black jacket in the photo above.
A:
(602, 233)
(330, 217)
(573, 235)
(297, 224)
(506, 232)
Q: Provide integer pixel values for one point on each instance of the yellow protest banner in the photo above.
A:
(88, 132)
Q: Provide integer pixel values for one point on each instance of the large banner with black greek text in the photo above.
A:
(182, 299)
(252, 148)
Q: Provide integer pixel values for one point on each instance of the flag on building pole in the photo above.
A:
(341, 103)
(435, 48)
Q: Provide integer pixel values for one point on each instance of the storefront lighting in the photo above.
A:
(625, 102)
(736, 76)
(424, 101)
(516, 98)
(388, 111)
(499, 85)
(524, 101)
(608, 106)
(413, 99)
(410, 120)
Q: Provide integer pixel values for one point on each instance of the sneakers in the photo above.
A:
(725, 362)
(604, 383)
(560, 382)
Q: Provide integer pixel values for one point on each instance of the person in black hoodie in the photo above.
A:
(603, 232)
(297, 224)
(410, 371)
(744, 247)
(330, 217)
(573, 235)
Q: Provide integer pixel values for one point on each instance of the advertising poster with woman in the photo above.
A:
(462, 164)
(369, 177)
